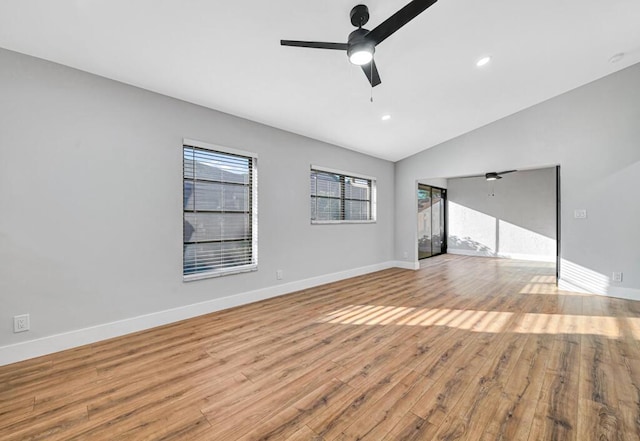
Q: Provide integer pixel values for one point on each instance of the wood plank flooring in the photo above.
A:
(464, 349)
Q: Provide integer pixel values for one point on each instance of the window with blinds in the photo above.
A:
(220, 211)
(339, 197)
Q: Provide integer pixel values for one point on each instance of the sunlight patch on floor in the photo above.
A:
(483, 321)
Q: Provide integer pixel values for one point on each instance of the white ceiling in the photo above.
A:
(226, 55)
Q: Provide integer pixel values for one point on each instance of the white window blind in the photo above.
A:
(220, 212)
(339, 197)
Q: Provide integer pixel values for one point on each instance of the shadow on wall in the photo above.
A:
(513, 218)
(478, 234)
(526, 199)
(468, 244)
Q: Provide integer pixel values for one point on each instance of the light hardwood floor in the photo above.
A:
(464, 349)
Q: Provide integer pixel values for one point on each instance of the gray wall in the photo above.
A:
(91, 197)
(511, 217)
(593, 132)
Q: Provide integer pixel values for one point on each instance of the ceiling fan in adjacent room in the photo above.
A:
(362, 42)
(491, 176)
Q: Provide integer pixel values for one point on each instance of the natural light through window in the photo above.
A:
(475, 233)
(579, 278)
(482, 321)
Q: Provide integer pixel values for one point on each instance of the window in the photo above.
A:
(220, 211)
(338, 197)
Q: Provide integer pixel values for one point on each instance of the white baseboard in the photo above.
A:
(59, 342)
(468, 252)
(566, 285)
(611, 291)
(529, 257)
(624, 293)
(406, 265)
(67, 340)
(515, 256)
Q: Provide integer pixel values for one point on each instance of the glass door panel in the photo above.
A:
(424, 222)
(436, 221)
(431, 221)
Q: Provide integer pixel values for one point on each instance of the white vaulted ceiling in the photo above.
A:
(226, 55)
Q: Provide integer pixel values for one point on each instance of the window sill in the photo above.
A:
(219, 273)
(333, 222)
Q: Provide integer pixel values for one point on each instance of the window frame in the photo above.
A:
(343, 175)
(253, 210)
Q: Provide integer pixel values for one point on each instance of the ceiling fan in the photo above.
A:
(361, 43)
(492, 176)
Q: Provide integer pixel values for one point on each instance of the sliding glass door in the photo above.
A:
(431, 221)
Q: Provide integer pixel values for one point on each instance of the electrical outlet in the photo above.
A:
(617, 277)
(279, 274)
(580, 213)
(21, 323)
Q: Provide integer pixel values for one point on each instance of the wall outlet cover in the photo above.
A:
(21, 323)
(580, 213)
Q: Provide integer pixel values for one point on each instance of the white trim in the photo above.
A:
(612, 291)
(406, 265)
(218, 148)
(515, 256)
(624, 293)
(469, 252)
(374, 200)
(221, 272)
(67, 340)
(529, 257)
(336, 222)
(341, 172)
(565, 285)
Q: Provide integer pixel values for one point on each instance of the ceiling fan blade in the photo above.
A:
(315, 44)
(371, 71)
(467, 177)
(397, 20)
(506, 171)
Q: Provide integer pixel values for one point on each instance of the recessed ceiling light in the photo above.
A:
(483, 61)
(616, 57)
(386, 117)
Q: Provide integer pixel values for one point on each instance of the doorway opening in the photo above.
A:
(432, 221)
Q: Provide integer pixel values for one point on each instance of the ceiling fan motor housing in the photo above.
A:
(358, 42)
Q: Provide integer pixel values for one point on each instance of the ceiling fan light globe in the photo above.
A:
(360, 50)
(492, 178)
(361, 57)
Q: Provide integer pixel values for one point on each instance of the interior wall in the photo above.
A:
(593, 133)
(434, 182)
(513, 217)
(91, 197)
